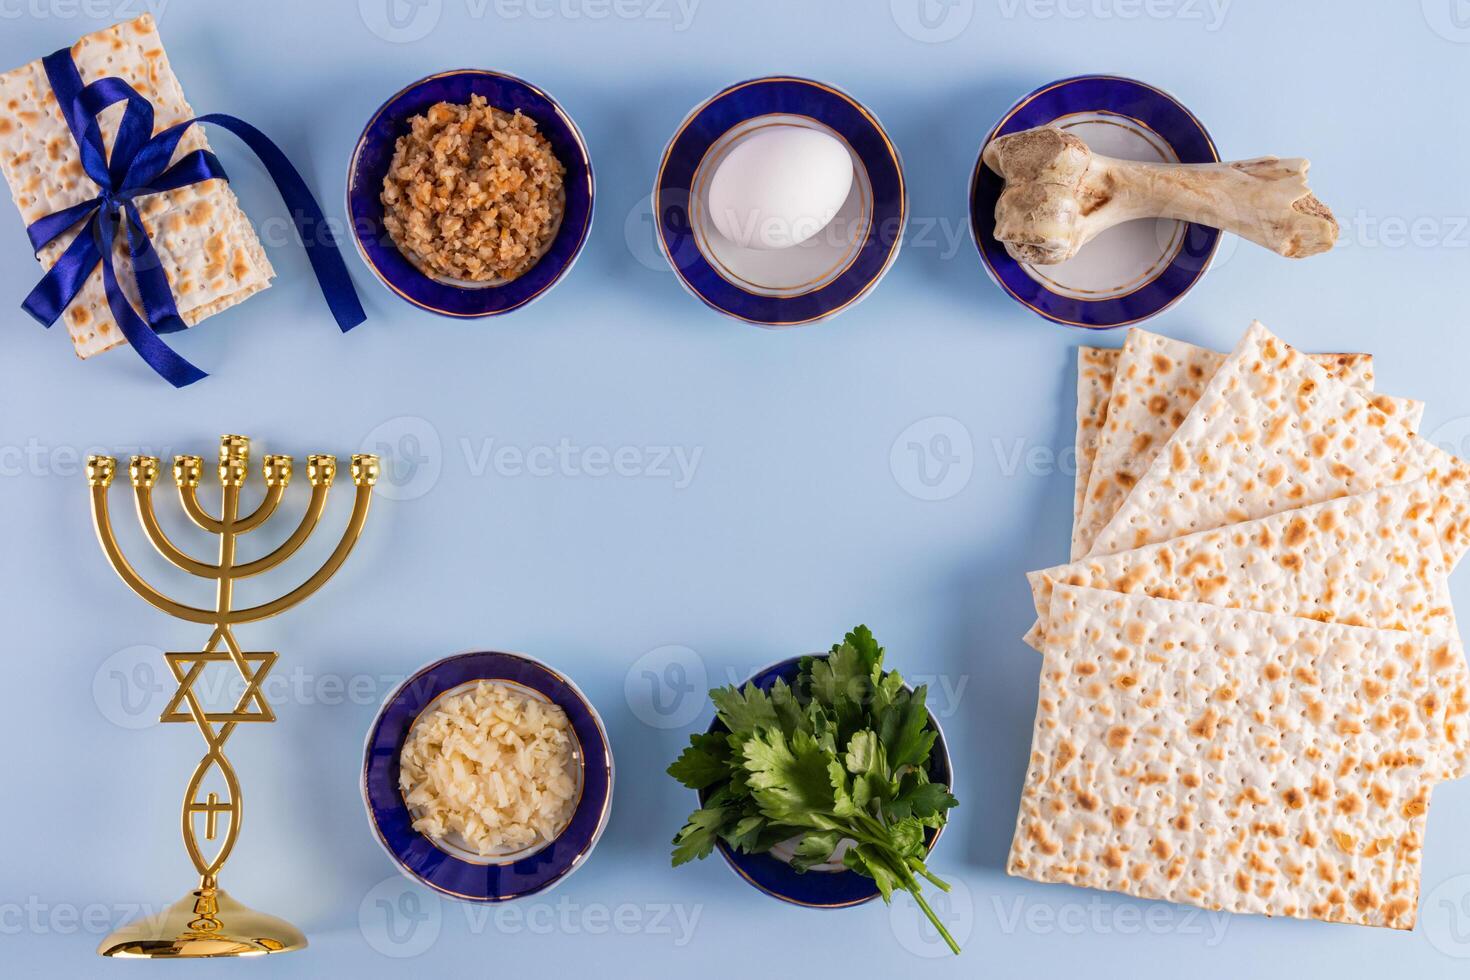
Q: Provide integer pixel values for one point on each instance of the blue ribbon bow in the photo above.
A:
(138, 166)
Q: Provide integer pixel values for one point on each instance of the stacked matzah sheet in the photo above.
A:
(210, 253)
(1252, 677)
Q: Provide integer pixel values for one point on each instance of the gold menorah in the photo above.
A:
(207, 922)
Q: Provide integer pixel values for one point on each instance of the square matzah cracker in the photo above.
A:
(1095, 367)
(1227, 759)
(1157, 381)
(207, 247)
(1273, 432)
(1367, 560)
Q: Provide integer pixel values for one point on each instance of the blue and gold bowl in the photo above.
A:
(374, 154)
(1131, 271)
(446, 866)
(822, 276)
(825, 886)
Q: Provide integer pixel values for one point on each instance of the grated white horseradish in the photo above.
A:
(491, 766)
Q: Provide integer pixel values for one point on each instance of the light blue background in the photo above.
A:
(796, 525)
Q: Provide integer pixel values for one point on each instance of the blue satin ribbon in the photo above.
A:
(137, 167)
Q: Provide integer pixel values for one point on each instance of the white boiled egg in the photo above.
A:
(780, 187)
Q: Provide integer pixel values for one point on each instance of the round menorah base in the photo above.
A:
(206, 922)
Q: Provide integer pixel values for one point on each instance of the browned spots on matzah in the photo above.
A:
(1206, 725)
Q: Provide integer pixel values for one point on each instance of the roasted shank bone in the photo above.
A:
(1059, 195)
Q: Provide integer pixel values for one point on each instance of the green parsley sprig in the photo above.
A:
(841, 755)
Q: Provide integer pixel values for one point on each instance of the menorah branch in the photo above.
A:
(102, 523)
(189, 498)
(265, 511)
(329, 568)
(147, 516)
(315, 507)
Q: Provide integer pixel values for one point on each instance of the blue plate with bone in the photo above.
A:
(1133, 270)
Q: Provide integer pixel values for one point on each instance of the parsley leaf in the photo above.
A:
(923, 800)
(815, 848)
(788, 710)
(839, 758)
(743, 711)
(697, 838)
(905, 730)
(705, 762)
(788, 778)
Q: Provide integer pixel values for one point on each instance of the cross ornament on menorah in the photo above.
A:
(207, 922)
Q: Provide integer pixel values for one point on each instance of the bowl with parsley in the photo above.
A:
(824, 781)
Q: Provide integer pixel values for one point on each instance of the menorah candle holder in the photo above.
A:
(207, 922)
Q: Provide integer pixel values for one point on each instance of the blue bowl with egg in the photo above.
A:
(818, 276)
(374, 154)
(829, 885)
(443, 865)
